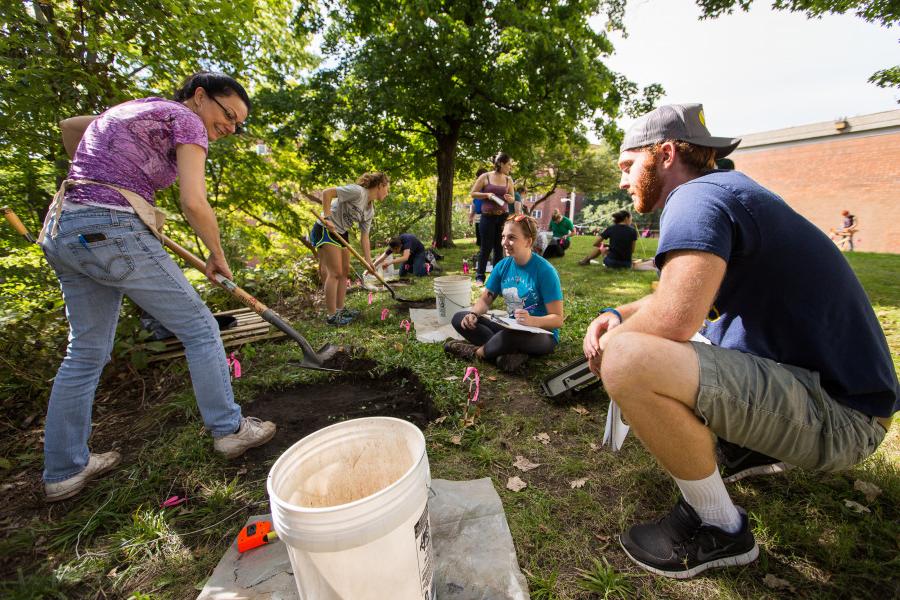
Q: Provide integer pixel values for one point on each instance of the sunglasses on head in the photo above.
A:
(518, 218)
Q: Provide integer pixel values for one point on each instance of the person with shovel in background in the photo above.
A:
(342, 208)
(98, 242)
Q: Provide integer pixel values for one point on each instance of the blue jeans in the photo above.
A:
(99, 255)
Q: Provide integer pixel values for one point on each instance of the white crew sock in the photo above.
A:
(710, 499)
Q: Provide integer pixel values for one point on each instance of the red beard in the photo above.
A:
(648, 188)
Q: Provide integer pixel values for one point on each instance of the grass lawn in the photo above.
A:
(114, 540)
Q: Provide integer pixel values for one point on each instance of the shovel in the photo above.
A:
(360, 258)
(311, 358)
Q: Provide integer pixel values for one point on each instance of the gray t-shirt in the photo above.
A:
(352, 207)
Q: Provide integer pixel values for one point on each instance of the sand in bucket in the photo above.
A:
(350, 503)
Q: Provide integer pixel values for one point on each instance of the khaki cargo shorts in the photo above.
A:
(781, 411)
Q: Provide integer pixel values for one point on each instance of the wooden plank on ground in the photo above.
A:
(250, 328)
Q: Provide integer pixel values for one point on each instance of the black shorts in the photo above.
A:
(320, 235)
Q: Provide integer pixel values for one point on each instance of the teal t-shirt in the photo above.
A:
(530, 286)
(562, 228)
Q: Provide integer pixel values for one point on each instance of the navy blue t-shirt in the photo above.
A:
(409, 242)
(788, 293)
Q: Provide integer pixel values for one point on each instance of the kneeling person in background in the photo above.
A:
(530, 286)
(406, 250)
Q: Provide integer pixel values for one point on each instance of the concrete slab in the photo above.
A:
(475, 558)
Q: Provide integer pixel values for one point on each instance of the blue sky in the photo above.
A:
(760, 70)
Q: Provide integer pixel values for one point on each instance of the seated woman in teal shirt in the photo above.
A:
(530, 286)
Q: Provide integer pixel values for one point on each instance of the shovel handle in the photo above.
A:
(258, 307)
(13, 220)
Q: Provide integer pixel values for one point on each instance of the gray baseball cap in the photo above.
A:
(684, 122)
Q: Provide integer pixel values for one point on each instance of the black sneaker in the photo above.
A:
(738, 462)
(339, 319)
(510, 363)
(350, 312)
(460, 349)
(680, 545)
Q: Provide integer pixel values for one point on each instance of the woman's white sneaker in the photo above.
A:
(252, 433)
(98, 464)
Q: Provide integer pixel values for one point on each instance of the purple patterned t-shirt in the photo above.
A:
(132, 145)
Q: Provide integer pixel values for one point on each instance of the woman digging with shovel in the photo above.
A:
(342, 208)
(97, 240)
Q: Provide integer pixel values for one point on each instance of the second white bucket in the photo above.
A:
(350, 502)
(452, 293)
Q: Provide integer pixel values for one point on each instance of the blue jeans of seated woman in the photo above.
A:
(124, 259)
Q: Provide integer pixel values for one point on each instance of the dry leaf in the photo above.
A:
(398, 347)
(440, 420)
(578, 483)
(777, 583)
(593, 446)
(856, 507)
(523, 464)
(515, 484)
(451, 378)
(581, 410)
(492, 378)
(870, 490)
(542, 438)
(456, 439)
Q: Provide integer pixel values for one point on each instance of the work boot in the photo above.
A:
(510, 363)
(460, 349)
(98, 464)
(250, 434)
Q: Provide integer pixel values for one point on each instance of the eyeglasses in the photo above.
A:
(238, 127)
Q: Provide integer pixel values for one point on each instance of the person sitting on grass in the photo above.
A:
(405, 249)
(799, 370)
(622, 238)
(342, 208)
(562, 228)
(530, 286)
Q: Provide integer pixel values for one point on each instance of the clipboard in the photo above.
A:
(508, 323)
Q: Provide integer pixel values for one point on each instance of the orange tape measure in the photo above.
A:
(255, 534)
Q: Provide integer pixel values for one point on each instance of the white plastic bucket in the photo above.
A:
(350, 502)
(452, 293)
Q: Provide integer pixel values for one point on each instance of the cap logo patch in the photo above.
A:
(702, 118)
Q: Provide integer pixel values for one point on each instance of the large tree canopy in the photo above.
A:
(419, 85)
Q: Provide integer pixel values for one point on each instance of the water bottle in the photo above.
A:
(465, 266)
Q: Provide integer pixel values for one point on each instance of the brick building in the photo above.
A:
(823, 168)
(559, 199)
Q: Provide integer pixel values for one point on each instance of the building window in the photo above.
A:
(537, 214)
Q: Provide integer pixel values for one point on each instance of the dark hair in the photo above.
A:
(481, 171)
(395, 242)
(620, 215)
(215, 84)
(500, 159)
(372, 179)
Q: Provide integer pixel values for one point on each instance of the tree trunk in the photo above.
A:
(446, 169)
